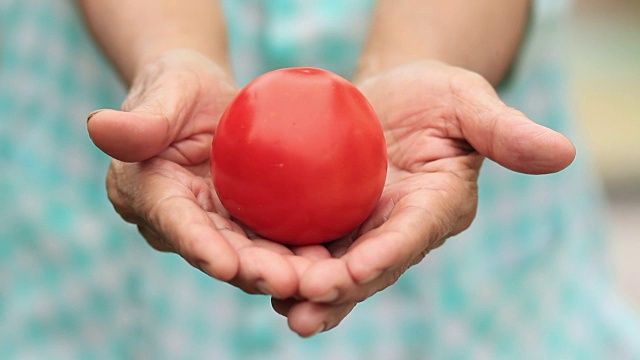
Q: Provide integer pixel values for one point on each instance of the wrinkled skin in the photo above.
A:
(439, 121)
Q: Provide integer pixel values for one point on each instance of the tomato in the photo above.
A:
(299, 156)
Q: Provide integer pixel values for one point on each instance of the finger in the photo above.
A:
(282, 306)
(262, 271)
(330, 281)
(312, 252)
(374, 264)
(308, 318)
(504, 134)
(129, 136)
(190, 231)
(267, 267)
(153, 239)
(164, 107)
(299, 262)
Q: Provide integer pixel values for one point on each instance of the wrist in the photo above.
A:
(136, 33)
(373, 64)
(482, 36)
(150, 54)
(177, 60)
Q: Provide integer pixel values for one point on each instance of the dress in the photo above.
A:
(527, 280)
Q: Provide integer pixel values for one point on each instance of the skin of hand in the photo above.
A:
(160, 177)
(440, 122)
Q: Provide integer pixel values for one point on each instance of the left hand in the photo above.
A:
(440, 122)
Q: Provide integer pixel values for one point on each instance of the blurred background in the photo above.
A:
(605, 66)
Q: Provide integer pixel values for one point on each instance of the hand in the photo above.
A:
(439, 122)
(160, 178)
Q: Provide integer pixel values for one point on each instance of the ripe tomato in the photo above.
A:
(299, 156)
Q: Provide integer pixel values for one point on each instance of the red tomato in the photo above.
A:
(299, 156)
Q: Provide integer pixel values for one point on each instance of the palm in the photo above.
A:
(432, 169)
(429, 158)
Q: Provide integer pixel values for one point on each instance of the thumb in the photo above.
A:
(508, 137)
(129, 136)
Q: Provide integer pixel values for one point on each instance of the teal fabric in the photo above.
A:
(527, 280)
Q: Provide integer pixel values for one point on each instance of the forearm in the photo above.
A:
(482, 36)
(134, 32)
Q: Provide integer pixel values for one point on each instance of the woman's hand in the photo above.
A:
(160, 177)
(440, 122)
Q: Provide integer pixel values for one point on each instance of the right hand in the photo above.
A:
(160, 176)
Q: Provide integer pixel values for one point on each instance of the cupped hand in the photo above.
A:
(440, 123)
(160, 177)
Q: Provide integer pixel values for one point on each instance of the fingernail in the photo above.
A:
(93, 113)
(326, 298)
(264, 288)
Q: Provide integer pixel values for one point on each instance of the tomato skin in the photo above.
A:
(299, 156)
